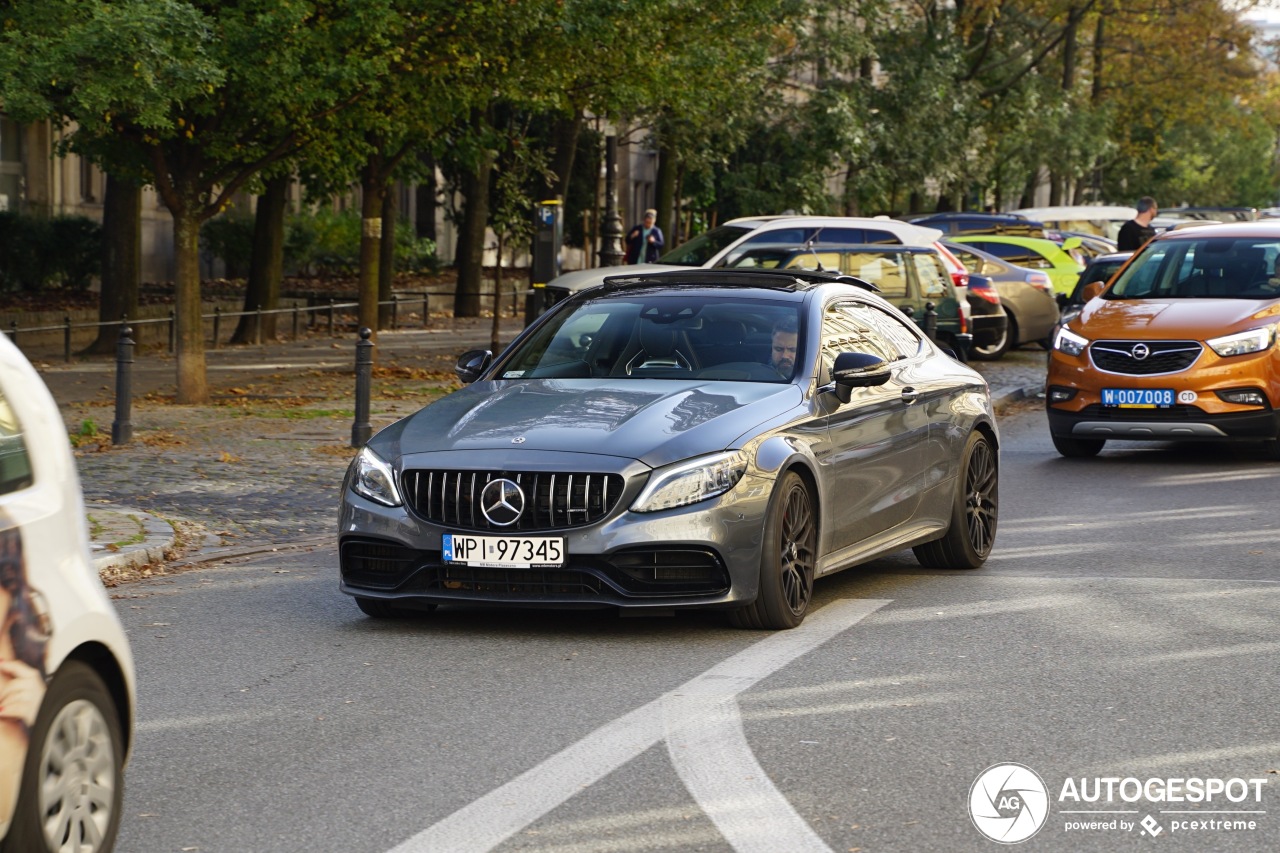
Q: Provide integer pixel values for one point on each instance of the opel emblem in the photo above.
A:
(502, 502)
(1140, 352)
(518, 440)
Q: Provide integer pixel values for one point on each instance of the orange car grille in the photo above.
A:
(1144, 358)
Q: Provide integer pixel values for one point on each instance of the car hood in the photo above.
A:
(1195, 319)
(654, 421)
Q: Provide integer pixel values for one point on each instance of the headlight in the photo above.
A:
(691, 482)
(374, 480)
(1069, 342)
(1241, 343)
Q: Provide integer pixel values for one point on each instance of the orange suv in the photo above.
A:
(1180, 347)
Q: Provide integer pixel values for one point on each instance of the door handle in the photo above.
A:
(909, 395)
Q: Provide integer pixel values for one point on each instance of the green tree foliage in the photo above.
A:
(193, 98)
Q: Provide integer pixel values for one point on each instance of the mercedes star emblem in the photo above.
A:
(502, 502)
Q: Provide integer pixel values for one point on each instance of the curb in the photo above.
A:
(157, 537)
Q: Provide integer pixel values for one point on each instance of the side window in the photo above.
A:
(874, 235)
(903, 338)
(15, 465)
(933, 276)
(885, 271)
(839, 236)
(845, 329)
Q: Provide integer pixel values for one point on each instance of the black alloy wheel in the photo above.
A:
(974, 512)
(787, 562)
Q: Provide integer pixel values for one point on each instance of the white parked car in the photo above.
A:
(66, 672)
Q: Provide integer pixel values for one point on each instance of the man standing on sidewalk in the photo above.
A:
(1138, 230)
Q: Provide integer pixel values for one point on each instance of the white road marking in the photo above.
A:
(495, 817)
(712, 757)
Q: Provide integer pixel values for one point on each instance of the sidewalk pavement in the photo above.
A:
(261, 465)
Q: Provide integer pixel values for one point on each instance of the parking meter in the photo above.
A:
(548, 235)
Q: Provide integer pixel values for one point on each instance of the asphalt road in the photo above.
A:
(1124, 627)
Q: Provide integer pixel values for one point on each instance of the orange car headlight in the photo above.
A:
(1069, 342)
(1243, 343)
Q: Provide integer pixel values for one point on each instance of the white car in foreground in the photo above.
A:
(66, 672)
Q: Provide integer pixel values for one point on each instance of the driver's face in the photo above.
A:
(784, 352)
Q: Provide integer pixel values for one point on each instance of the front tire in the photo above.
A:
(788, 557)
(1078, 448)
(974, 512)
(73, 778)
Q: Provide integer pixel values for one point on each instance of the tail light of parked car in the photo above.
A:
(983, 289)
(1040, 281)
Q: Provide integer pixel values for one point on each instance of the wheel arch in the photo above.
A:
(99, 658)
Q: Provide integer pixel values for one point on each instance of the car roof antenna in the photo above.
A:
(808, 246)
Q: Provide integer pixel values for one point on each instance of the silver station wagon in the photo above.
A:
(698, 438)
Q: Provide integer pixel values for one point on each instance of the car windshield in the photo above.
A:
(1223, 268)
(704, 247)
(649, 333)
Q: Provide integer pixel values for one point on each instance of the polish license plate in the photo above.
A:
(504, 552)
(1138, 398)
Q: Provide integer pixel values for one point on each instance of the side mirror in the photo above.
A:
(1092, 289)
(471, 364)
(858, 370)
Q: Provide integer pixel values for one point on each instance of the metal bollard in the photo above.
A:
(13, 331)
(217, 325)
(331, 318)
(931, 321)
(426, 309)
(361, 429)
(122, 426)
(66, 337)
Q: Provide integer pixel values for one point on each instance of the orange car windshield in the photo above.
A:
(1221, 268)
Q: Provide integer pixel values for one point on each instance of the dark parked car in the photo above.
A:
(1026, 294)
(698, 438)
(1101, 268)
(972, 222)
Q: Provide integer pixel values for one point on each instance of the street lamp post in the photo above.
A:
(611, 231)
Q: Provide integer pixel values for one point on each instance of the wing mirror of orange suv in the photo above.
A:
(1092, 289)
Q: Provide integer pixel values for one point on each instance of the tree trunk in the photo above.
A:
(665, 190)
(121, 261)
(193, 384)
(495, 331)
(373, 188)
(566, 135)
(266, 265)
(475, 219)
(425, 219)
(387, 256)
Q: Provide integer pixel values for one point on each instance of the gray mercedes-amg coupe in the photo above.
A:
(698, 438)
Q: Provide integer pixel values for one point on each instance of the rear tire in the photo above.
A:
(1078, 448)
(995, 350)
(73, 777)
(974, 512)
(788, 557)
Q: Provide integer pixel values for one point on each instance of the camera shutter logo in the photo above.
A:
(1008, 803)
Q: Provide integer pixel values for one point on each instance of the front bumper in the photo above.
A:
(1179, 423)
(703, 555)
